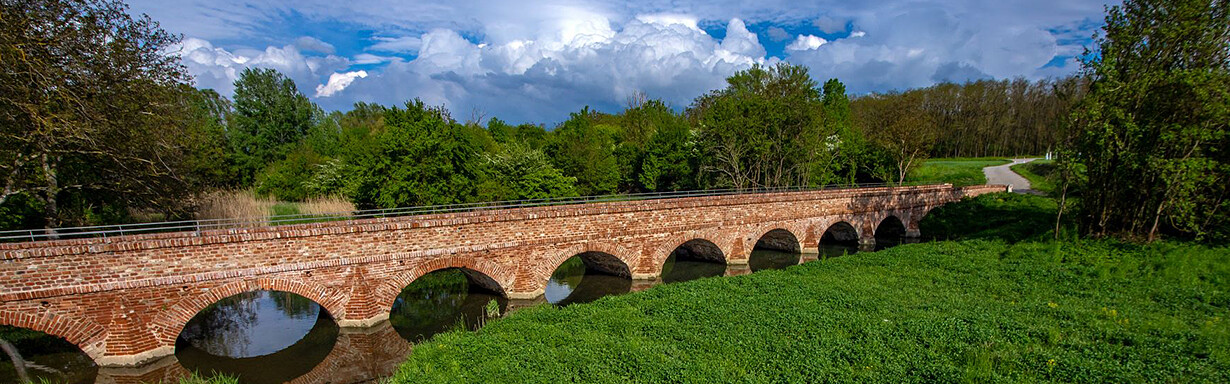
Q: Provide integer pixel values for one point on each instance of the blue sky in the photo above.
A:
(537, 61)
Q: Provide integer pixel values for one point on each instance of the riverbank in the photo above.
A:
(973, 310)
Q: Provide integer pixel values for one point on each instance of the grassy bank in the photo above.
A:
(1039, 174)
(970, 311)
(958, 171)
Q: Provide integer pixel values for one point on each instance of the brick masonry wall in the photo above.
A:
(125, 299)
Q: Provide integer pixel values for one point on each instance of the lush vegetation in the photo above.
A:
(1151, 142)
(983, 310)
(958, 171)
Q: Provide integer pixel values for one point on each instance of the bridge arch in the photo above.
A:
(500, 276)
(171, 322)
(777, 237)
(87, 335)
(725, 241)
(605, 257)
(890, 226)
(840, 232)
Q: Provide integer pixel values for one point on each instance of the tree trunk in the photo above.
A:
(51, 211)
(18, 363)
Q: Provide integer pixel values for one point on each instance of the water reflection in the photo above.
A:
(441, 301)
(32, 356)
(573, 283)
(762, 259)
(679, 268)
(259, 337)
(837, 250)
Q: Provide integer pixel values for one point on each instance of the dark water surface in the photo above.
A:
(273, 337)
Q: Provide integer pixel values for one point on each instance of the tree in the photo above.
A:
(586, 150)
(90, 111)
(523, 173)
(763, 130)
(271, 118)
(423, 157)
(901, 128)
(1152, 133)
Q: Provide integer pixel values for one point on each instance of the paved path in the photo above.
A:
(1002, 174)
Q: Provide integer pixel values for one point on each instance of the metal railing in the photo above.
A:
(104, 231)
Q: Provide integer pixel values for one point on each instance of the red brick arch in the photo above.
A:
(169, 323)
(85, 334)
(386, 294)
(555, 257)
(725, 240)
(853, 222)
(796, 229)
(878, 218)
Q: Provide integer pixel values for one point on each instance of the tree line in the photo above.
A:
(99, 124)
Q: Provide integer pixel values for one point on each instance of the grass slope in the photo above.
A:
(958, 171)
(969, 311)
(1038, 172)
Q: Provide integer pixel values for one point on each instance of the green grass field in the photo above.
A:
(1038, 172)
(982, 310)
(958, 171)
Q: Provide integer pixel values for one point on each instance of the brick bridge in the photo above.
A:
(124, 300)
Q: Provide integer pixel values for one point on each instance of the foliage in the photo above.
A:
(763, 130)
(523, 173)
(586, 150)
(973, 311)
(1153, 132)
(270, 119)
(958, 171)
(901, 128)
(422, 157)
(295, 177)
(89, 110)
(988, 117)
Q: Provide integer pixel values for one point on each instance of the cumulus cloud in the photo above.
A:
(218, 68)
(537, 61)
(806, 42)
(587, 62)
(338, 82)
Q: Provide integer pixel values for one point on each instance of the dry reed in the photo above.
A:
(241, 204)
(333, 205)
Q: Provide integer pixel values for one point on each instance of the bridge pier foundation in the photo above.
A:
(867, 244)
(363, 323)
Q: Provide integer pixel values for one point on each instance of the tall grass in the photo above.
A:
(233, 204)
(332, 205)
(245, 204)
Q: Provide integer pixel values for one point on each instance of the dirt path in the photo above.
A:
(1002, 174)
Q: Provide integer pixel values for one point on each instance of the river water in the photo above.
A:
(274, 337)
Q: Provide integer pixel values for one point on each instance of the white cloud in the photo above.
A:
(536, 61)
(338, 82)
(218, 68)
(806, 42)
(403, 44)
(312, 44)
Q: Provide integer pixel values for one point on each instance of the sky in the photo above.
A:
(538, 61)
